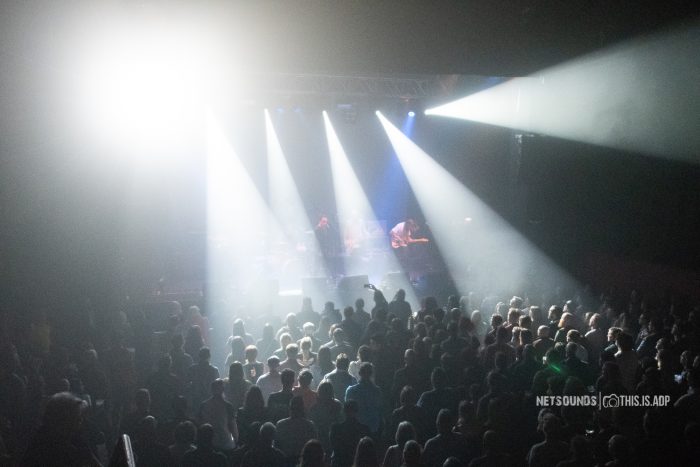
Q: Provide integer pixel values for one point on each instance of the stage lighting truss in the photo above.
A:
(414, 87)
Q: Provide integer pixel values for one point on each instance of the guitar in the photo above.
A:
(398, 242)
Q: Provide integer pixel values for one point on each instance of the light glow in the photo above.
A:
(640, 96)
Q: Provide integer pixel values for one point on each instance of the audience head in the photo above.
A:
(348, 312)
(296, 407)
(408, 396)
(185, 433)
(364, 353)
(445, 421)
(412, 453)
(63, 414)
(342, 362)
(251, 353)
(566, 321)
(204, 355)
(324, 357)
(305, 377)
(366, 453)
(338, 335)
(325, 391)
(287, 377)
(625, 342)
(400, 295)
(267, 434)
(285, 340)
(312, 454)
(551, 425)
(292, 350)
(366, 371)
(571, 349)
(555, 313)
(235, 373)
(217, 387)
(205, 437)
(309, 329)
(404, 433)
(614, 333)
(253, 400)
(273, 363)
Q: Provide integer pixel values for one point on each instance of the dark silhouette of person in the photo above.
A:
(345, 435)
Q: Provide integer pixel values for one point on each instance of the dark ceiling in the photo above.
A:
(501, 37)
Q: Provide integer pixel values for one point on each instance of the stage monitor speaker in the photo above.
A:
(351, 288)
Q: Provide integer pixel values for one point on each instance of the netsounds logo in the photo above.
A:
(599, 401)
(567, 401)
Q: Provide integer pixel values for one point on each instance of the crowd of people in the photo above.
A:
(453, 385)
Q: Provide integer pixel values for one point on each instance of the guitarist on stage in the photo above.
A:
(402, 238)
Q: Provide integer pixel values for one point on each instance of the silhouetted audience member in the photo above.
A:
(345, 435)
(304, 390)
(253, 411)
(271, 381)
(278, 402)
(440, 397)
(185, 434)
(141, 409)
(340, 378)
(164, 387)
(252, 368)
(325, 412)
(581, 454)
(200, 376)
(366, 453)
(149, 452)
(217, 412)
(620, 451)
(312, 455)
(411, 374)
(552, 450)
(394, 455)
(293, 432)
(447, 443)
(236, 386)
(204, 454)
(369, 400)
(412, 455)
(494, 455)
(263, 452)
(56, 442)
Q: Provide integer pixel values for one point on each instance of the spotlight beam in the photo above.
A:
(237, 217)
(641, 96)
(285, 201)
(351, 200)
(468, 233)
